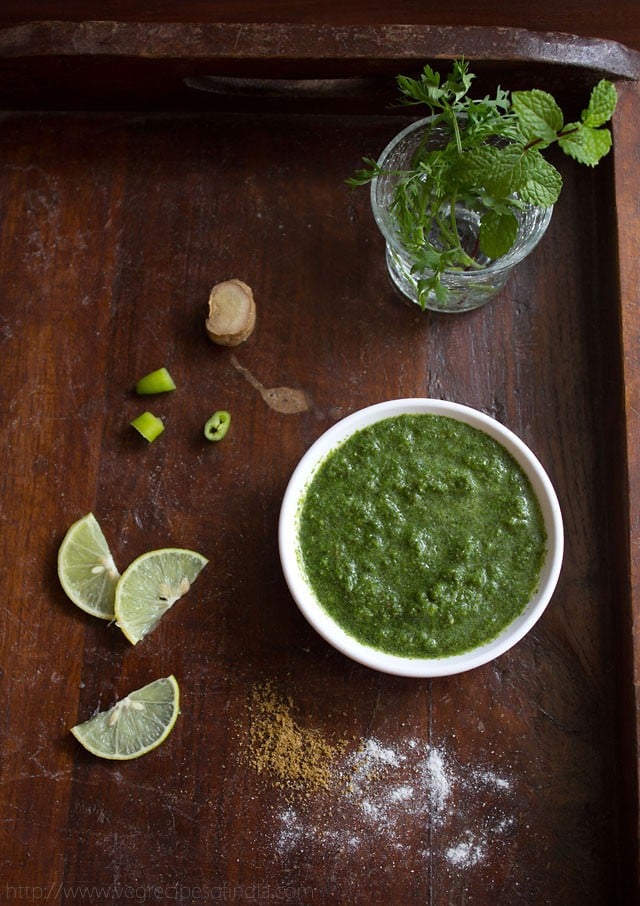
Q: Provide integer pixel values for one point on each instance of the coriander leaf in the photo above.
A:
(498, 231)
(459, 81)
(441, 292)
(584, 144)
(427, 258)
(539, 115)
(425, 90)
(602, 104)
(364, 176)
(543, 183)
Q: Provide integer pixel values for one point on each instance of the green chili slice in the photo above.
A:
(217, 426)
(159, 381)
(149, 425)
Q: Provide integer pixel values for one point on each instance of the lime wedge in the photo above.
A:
(86, 569)
(134, 725)
(151, 585)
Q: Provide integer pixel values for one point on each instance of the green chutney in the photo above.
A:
(421, 536)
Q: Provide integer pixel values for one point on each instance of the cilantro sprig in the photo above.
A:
(491, 162)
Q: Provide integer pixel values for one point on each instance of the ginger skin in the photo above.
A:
(232, 313)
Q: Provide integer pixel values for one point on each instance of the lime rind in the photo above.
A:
(151, 585)
(86, 568)
(135, 725)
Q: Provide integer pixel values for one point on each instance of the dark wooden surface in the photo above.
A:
(618, 20)
(515, 783)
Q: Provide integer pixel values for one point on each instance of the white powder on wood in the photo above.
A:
(387, 790)
(467, 852)
(437, 784)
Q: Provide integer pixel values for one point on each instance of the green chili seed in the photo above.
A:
(159, 381)
(149, 425)
(217, 426)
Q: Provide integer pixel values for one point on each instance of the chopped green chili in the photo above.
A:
(149, 425)
(159, 381)
(217, 426)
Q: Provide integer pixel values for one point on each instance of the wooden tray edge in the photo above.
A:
(271, 41)
(627, 503)
(98, 65)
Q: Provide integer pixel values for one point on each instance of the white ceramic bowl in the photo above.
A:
(326, 626)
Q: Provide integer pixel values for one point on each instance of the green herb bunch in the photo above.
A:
(490, 162)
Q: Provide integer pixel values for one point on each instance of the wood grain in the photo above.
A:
(618, 21)
(514, 783)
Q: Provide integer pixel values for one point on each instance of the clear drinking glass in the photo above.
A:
(468, 289)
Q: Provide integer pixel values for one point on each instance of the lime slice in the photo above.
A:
(151, 585)
(86, 569)
(134, 725)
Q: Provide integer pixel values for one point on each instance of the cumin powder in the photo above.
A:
(299, 759)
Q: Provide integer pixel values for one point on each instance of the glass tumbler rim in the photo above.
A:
(520, 249)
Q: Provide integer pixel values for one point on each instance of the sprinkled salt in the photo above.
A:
(290, 832)
(490, 777)
(401, 794)
(382, 792)
(467, 852)
(438, 785)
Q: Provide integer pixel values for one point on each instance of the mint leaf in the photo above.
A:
(602, 105)
(498, 171)
(476, 163)
(539, 115)
(584, 144)
(543, 183)
(498, 231)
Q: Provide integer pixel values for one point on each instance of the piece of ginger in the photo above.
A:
(232, 313)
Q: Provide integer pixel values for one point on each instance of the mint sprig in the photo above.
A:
(602, 105)
(539, 116)
(492, 162)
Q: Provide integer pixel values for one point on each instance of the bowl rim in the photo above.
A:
(329, 629)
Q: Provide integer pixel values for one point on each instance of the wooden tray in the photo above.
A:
(140, 165)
